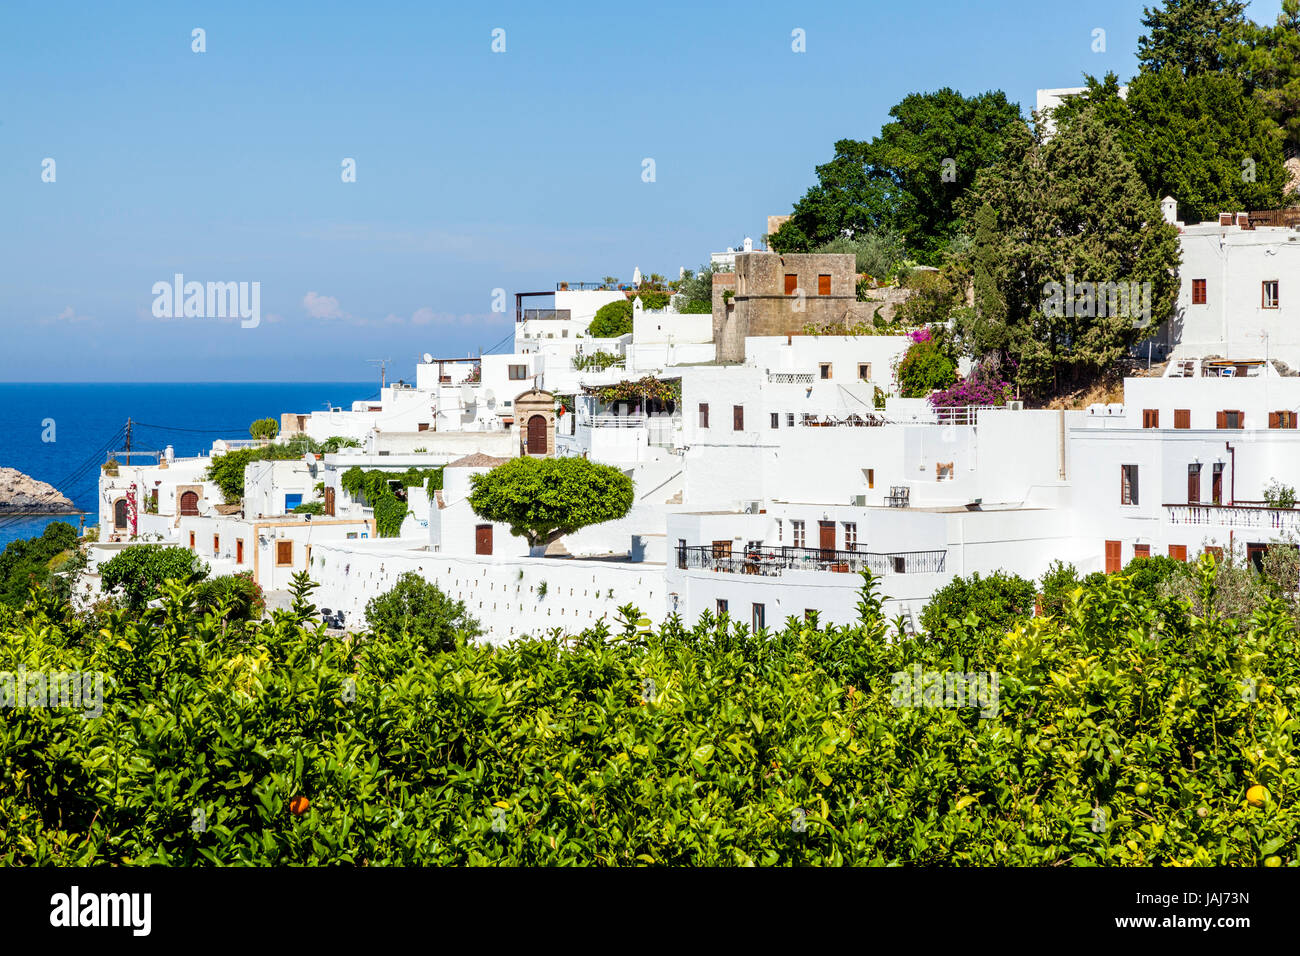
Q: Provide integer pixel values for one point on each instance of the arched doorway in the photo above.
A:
(537, 435)
(119, 514)
(190, 503)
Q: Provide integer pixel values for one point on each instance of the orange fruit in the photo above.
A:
(1272, 861)
(298, 805)
(1142, 789)
(1257, 795)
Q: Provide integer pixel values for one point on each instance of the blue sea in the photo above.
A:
(85, 422)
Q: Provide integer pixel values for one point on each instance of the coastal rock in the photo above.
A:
(21, 493)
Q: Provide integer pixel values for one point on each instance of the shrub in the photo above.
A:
(266, 428)
(653, 300)
(997, 601)
(612, 320)
(140, 569)
(923, 369)
(25, 563)
(239, 592)
(978, 388)
(417, 610)
(1279, 495)
(1058, 583)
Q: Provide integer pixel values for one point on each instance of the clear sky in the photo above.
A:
(475, 170)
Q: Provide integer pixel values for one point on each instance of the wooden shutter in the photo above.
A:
(823, 285)
(791, 283)
(329, 502)
(1182, 418)
(738, 418)
(284, 552)
(1113, 563)
(1220, 419)
(1178, 552)
(1193, 484)
(1150, 418)
(1141, 550)
(239, 550)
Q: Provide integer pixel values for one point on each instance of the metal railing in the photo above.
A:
(776, 561)
(1240, 516)
(855, 420)
(530, 314)
(961, 414)
(789, 378)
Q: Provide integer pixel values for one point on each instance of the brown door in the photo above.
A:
(190, 503)
(239, 550)
(537, 435)
(1113, 563)
(483, 538)
(826, 536)
(1193, 484)
(791, 283)
(119, 513)
(1216, 487)
(329, 502)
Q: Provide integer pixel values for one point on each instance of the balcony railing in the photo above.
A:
(776, 561)
(530, 314)
(1240, 516)
(789, 378)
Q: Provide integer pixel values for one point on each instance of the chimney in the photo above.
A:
(1169, 209)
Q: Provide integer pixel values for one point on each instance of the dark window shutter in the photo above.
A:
(1274, 420)
(1220, 419)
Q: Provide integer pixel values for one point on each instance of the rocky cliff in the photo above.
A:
(21, 493)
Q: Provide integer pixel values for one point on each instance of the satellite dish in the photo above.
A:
(489, 396)
(466, 395)
(428, 359)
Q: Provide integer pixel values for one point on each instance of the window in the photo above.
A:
(216, 545)
(1216, 553)
(1268, 294)
(1128, 484)
(1178, 552)
(722, 607)
(871, 477)
(752, 546)
(1255, 555)
(1113, 562)
(1194, 483)
(791, 283)
(1182, 418)
(283, 553)
(517, 372)
(943, 471)
(780, 530)
(759, 617)
(1141, 550)
(1150, 418)
(291, 502)
(1230, 419)
(796, 534)
(789, 419)
(850, 536)
(864, 371)
(1281, 419)
(239, 550)
(722, 548)
(738, 418)
(825, 369)
(1216, 484)
(704, 415)
(191, 540)
(681, 552)
(1198, 292)
(776, 419)
(823, 285)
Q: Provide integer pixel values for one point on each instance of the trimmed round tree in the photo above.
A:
(543, 499)
(264, 428)
(611, 320)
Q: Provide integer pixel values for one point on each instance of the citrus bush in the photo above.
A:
(1122, 736)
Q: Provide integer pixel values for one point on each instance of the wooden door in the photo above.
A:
(1193, 484)
(826, 539)
(190, 503)
(329, 502)
(1113, 562)
(483, 538)
(1216, 488)
(537, 435)
(119, 514)
(239, 550)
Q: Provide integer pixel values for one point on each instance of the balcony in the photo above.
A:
(789, 378)
(545, 314)
(1237, 516)
(777, 561)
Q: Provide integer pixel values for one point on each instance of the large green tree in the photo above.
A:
(1069, 210)
(1192, 36)
(543, 499)
(1201, 139)
(908, 178)
(1273, 66)
(418, 609)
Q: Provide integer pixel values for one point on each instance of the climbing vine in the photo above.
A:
(375, 488)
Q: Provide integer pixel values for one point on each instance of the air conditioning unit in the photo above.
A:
(1016, 406)
(752, 507)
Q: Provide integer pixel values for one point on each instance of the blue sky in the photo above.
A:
(475, 170)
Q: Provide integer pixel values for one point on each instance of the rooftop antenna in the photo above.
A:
(383, 370)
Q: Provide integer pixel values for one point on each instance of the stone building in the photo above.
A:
(774, 294)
